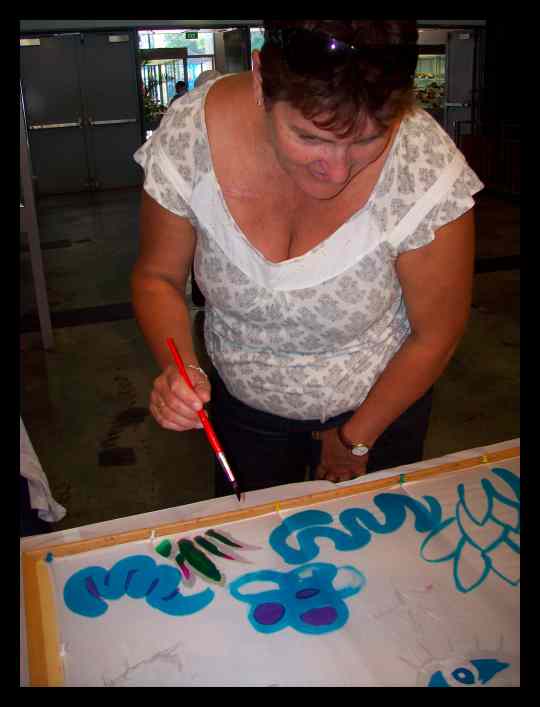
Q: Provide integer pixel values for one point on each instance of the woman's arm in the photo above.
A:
(437, 286)
(158, 284)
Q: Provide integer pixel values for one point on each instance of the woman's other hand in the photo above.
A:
(173, 404)
(337, 463)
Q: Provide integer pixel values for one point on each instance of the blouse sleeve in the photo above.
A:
(428, 185)
(168, 162)
(457, 200)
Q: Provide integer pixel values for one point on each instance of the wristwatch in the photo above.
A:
(356, 448)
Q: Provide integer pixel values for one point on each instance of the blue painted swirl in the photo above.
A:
(359, 525)
(138, 577)
(459, 536)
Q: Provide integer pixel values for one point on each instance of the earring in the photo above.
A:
(259, 102)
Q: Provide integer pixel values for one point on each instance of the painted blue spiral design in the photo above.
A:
(137, 576)
(359, 525)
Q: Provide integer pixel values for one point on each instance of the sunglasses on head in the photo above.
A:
(312, 53)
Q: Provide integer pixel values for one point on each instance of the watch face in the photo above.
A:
(359, 450)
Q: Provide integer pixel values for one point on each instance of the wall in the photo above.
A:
(66, 25)
(219, 53)
(452, 23)
(72, 25)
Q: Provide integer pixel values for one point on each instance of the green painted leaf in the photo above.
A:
(198, 560)
(222, 539)
(210, 547)
(164, 548)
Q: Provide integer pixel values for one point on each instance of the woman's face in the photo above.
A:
(320, 163)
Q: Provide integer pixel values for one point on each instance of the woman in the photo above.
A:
(332, 232)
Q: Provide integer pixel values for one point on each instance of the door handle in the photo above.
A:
(111, 122)
(51, 126)
(457, 105)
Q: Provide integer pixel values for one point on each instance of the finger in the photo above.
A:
(168, 404)
(171, 408)
(177, 424)
(201, 384)
(327, 474)
(320, 473)
(203, 391)
(175, 409)
(356, 474)
(182, 394)
(169, 419)
(336, 478)
(338, 475)
(178, 398)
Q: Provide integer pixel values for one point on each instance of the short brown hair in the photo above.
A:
(378, 82)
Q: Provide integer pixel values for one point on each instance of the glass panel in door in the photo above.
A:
(109, 81)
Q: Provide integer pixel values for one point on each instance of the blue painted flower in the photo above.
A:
(305, 598)
(482, 541)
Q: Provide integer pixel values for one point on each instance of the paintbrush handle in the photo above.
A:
(210, 434)
(201, 413)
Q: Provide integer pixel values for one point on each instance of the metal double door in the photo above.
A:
(461, 79)
(82, 110)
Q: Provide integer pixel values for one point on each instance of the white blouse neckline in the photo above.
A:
(327, 242)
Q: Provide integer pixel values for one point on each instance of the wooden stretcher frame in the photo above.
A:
(43, 640)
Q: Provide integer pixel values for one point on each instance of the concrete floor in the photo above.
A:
(85, 403)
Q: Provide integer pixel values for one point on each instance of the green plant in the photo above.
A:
(152, 108)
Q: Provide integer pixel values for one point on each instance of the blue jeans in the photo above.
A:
(266, 450)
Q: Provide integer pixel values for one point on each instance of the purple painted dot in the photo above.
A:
(307, 593)
(324, 616)
(269, 613)
(92, 589)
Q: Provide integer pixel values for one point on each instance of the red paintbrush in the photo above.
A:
(205, 421)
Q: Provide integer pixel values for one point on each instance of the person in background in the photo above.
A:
(38, 510)
(181, 90)
(331, 225)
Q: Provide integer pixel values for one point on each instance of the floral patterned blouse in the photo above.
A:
(307, 338)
